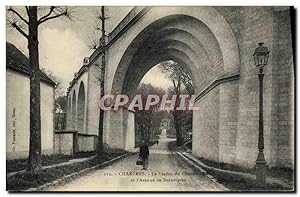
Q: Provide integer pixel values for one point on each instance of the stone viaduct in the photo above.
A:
(216, 44)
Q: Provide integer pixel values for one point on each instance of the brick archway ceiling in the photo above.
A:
(183, 39)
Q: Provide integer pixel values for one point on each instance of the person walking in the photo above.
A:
(144, 154)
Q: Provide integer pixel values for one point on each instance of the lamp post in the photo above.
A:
(261, 55)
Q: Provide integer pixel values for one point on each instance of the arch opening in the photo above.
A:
(80, 108)
(167, 78)
(73, 111)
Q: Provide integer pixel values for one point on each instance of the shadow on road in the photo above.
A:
(172, 146)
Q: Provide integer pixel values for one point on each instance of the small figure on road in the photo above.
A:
(144, 154)
(156, 142)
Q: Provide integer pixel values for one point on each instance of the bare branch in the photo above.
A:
(49, 13)
(93, 43)
(9, 24)
(19, 15)
(14, 25)
(53, 17)
(27, 10)
(66, 12)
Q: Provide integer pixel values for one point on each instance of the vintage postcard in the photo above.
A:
(150, 99)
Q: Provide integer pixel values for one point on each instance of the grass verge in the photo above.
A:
(284, 174)
(26, 180)
(238, 183)
(242, 184)
(47, 160)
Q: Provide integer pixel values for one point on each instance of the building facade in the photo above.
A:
(18, 109)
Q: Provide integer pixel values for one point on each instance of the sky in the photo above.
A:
(156, 78)
(63, 44)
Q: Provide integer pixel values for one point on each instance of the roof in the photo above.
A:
(18, 62)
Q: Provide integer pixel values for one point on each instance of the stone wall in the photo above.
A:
(256, 26)
(284, 152)
(64, 143)
(93, 98)
(47, 118)
(206, 126)
(228, 121)
(270, 25)
(86, 143)
(129, 132)
(71, 142)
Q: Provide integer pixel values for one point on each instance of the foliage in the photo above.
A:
(148, 121)
(62, 102)
(180, 76)
(182, 84)
(28, 180)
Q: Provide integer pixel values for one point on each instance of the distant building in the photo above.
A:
(18, 108)
(166, 123)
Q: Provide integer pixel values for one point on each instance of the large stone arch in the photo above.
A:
(208, 17)
(81, 108)
(196, 37)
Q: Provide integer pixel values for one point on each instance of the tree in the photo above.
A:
(95, 39)
(101, 111)
(28, 27)
(182, 83)
(61, 102)
(148, 120)
(99, 44)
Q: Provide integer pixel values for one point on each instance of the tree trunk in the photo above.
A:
(178, 130)
(100, 134)
(34, 161)
(100, 148)
(177, 115)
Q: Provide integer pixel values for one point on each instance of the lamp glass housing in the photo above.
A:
(261, 55)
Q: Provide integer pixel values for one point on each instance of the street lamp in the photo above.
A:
(261, 55)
